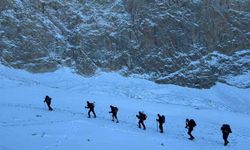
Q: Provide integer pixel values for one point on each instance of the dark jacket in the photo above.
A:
(161, 119)
(226, 129)
(90, 105)
(191, 123)
(47, 100)
(113, 109)
(141, 116)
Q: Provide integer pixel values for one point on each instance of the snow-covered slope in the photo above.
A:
(26, 124)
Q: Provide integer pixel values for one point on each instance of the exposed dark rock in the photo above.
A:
(193, 43)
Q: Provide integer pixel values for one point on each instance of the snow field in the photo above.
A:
(26, 123)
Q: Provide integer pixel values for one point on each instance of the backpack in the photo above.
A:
(116, 109)
(48, 100)
(192, 123)
(91, 105)
(226, 127)
(144, 116)
(163, 118)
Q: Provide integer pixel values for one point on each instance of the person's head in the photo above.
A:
(110, 106)
(87, 102)
(158, 115)
(187, 120)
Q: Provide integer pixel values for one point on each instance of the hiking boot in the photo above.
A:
(191, 138)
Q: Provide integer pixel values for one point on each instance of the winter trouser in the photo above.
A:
(50, 108)
(161, 127)
(190, 129)
(91, 110)
(141, 122)
(225, 136)
(114, 116)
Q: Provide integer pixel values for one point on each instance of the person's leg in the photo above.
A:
(89, 113)
(139, 124)
(190, 133)
(225, 136)
(93, 111)
(144, 127)
(50, 108)
(161, 127)
(116, 118)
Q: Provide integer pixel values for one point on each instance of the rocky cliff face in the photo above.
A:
(193, 43)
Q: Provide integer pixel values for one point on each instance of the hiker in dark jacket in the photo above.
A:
(142, 117)
(90, 106)
(114, 111)
(47, 100)
(226, 130)
(190, 125)
(161, 120)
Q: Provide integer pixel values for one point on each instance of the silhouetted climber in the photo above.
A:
(142, 117)
(190, 125)
(226, 130)
(48, 102)
(91, 107)
(161, 120)
(114, 111)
